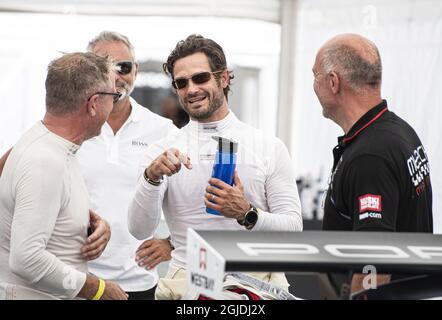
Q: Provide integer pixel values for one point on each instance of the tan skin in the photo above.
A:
(3, 160)
(188, 96)
(111, 292)
(344, 106)
(151, 252)
(227, 200)
(230, 201)
(97, 241)
(118, 51)
(340, 103)
(78, 127)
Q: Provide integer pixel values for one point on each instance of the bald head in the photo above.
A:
(355, 58)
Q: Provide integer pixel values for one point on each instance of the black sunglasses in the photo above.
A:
(123, 67)
(115, 94)
(197, 78)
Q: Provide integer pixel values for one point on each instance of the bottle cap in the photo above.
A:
(226, 145)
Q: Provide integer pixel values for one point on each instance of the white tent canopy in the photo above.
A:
(265, 10)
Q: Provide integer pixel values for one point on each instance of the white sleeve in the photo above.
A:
(145, 209)
(282, 195)
(37, 206)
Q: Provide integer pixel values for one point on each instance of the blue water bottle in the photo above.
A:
(225, 163)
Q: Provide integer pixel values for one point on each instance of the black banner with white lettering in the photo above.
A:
(328, 251)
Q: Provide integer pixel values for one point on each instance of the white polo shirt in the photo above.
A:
(110, 168)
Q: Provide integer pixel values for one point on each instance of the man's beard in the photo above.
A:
(325, 113)
(205, 113)
(123, 88)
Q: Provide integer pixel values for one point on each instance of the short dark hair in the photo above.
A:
(72, 78)
(197, 43)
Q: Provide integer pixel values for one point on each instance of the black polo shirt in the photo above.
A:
(380, 179)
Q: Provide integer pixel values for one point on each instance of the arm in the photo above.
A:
(153, 251)
(145, 208)
(282, 195)
(357, 283)
(35, 214)
(111, 290)
(37, 205)
(98, 240)
(371, 194)
(372, 198)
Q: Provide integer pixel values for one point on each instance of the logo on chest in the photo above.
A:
(136, 143)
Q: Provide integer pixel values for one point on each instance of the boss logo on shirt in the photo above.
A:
(139, 143)
(370, 206)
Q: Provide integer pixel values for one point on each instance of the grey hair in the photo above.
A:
(356, 70)
(111, 36)
(72, 78)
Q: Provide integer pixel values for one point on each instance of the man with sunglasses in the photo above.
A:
(264, 195)
(381, 176)
(110, 164)
(44, 207)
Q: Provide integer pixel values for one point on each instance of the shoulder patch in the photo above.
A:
(370, 202)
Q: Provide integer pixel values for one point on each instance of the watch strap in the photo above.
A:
(150, 181)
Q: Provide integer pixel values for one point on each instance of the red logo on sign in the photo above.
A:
(203, 258)
(370, 202)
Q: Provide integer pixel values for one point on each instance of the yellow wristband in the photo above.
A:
(100, 291)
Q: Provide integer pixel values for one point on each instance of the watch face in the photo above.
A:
(251, 217)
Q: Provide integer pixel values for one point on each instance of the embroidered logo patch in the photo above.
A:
(372, 215)
(139, 143)
(210, 128)
(370, 202)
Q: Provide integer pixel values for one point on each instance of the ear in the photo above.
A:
(225, 78)
(91, 106)
(334, 82)
(136, 66)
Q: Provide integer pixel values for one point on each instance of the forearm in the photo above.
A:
(282, 196)
(278, 222)
(89, 288)
(365, 281)
(46, 272)
(145, 210)
(284, 207)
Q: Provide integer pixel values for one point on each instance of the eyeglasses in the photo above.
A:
(197, 78)
(115, 94)
(123, 67)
